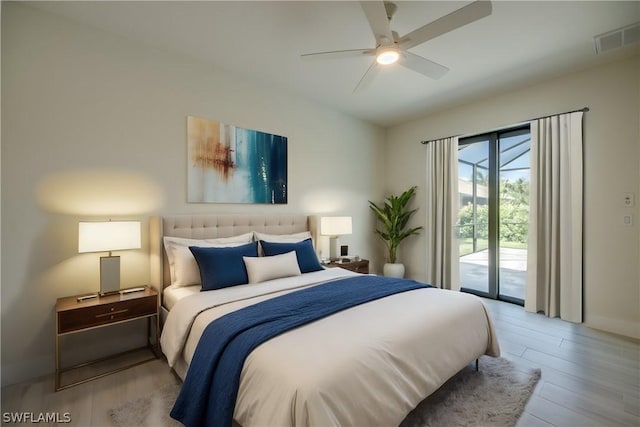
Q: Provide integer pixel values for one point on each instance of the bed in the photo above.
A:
(370, 364)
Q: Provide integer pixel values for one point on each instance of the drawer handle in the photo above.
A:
(112, 313)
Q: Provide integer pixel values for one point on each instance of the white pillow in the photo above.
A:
(261, 269)
(283, 238)
(182, 265)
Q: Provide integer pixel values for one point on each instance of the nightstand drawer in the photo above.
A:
(87, 317)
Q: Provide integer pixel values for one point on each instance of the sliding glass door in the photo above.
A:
(493, 184)
(473, 216)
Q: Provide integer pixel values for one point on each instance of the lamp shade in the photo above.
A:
(103, 236)
(335, 225)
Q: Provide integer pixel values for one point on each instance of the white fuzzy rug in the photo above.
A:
(494, 396)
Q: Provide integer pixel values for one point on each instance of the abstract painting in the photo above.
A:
(229, 164)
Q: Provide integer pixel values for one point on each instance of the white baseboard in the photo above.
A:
(617, 326)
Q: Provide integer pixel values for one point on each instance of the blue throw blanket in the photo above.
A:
(208, 395)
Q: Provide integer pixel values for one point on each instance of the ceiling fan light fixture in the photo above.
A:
(388, 55)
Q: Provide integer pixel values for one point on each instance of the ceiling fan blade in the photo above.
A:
(378, 21)
(335, 54)
(422, 65)
(367, 78)
(456, 19)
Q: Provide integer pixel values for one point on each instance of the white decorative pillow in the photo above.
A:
(182, 265)
(261, 269)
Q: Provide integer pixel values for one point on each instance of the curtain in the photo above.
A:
(441, 213)
(554, 265)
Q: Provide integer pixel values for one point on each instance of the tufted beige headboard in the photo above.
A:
(213, 226)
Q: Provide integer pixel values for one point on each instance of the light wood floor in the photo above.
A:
(589, 378)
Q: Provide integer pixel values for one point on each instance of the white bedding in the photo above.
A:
(172, 294)
(368, 365)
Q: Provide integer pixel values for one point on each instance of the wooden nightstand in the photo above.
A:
(361, 266)
(73, 316)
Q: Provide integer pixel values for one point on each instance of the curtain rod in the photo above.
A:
(584, 110)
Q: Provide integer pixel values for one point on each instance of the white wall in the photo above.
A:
(611, 155)
(94, 126)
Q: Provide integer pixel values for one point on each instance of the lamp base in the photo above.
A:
(109, 274)
(334, 248)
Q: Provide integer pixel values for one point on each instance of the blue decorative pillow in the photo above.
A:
(223, 267)
(307, 259)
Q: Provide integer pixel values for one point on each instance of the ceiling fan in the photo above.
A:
(391, 48)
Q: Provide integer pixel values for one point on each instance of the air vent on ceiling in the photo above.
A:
(618, 38)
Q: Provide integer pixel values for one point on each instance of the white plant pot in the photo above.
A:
(393, 270)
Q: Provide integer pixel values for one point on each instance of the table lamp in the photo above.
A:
(108, 236)
(335, 226)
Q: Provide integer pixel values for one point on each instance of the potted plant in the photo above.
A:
(394, 216)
